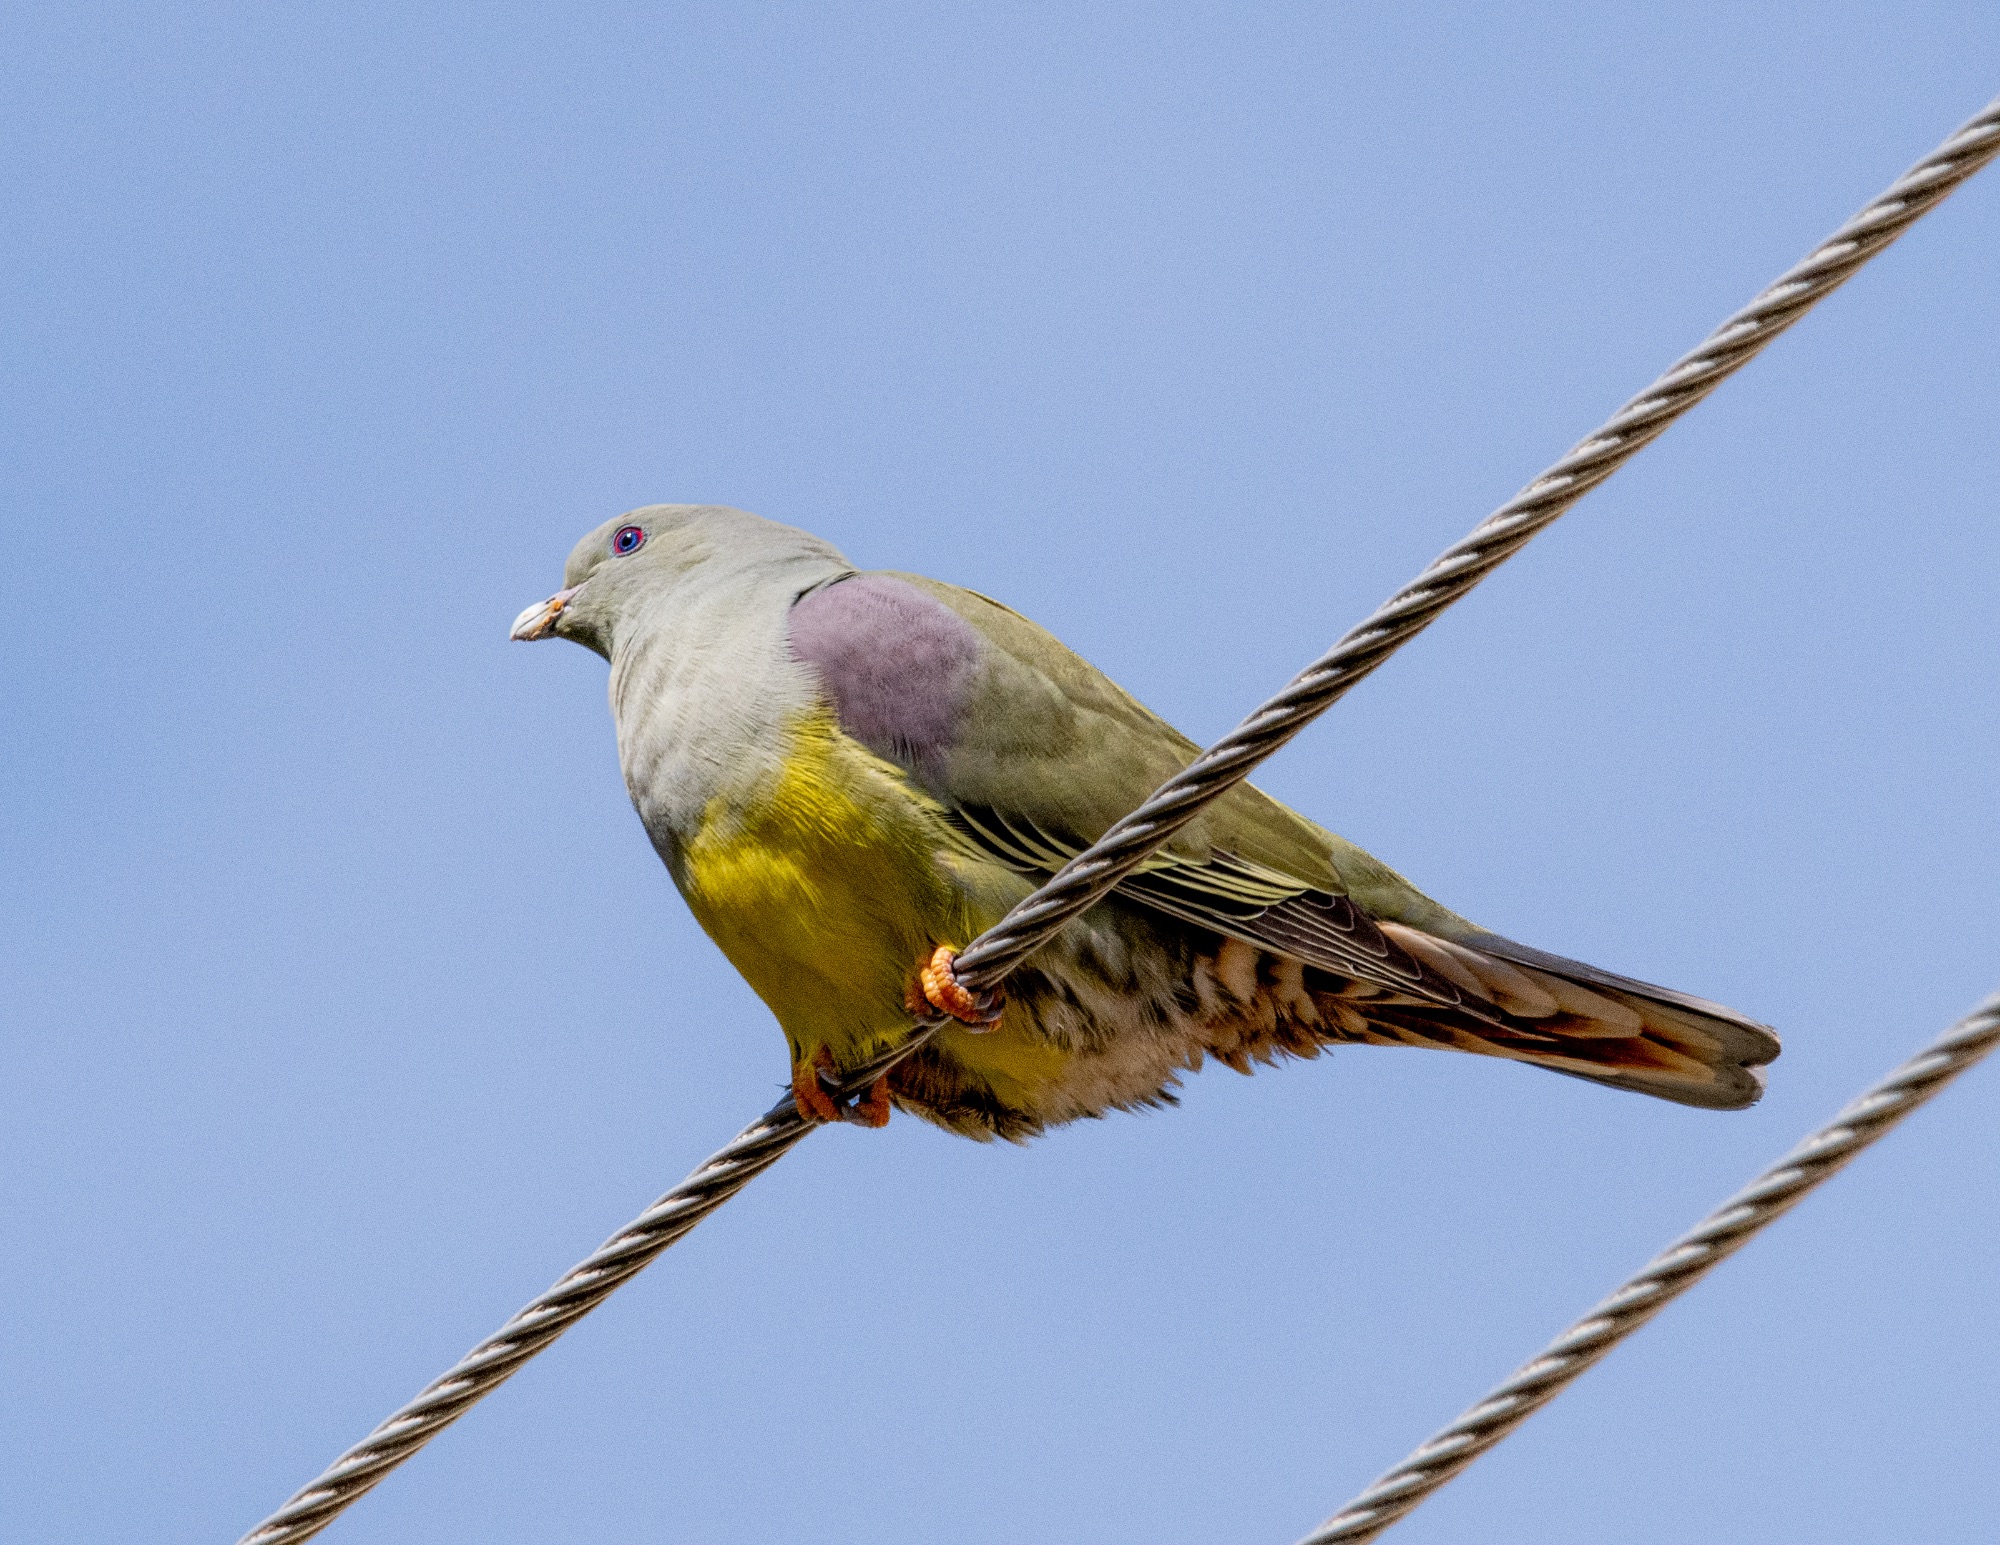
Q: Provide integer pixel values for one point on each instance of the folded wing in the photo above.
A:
(1034, 753)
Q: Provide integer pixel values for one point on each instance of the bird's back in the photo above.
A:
(1034, 753)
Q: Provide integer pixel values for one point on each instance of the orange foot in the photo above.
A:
(937, 987)
(872, 1109)
(809, 1094)
(815, 1103)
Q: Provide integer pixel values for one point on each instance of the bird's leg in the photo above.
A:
(938, 984)
(872, 1109)
(934, 990)
(809, 1094)
(814, 1088)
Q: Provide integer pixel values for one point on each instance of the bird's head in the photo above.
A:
(646, 558)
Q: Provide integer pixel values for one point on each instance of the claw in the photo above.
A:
(815, 1091)
(939, 983)
(809, 1094)
(872, 1109)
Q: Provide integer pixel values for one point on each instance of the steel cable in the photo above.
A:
(1086, 879)
(1668, 1275)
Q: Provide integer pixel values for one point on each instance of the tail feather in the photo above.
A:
(1529, 1006)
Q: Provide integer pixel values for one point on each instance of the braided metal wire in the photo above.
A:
(1088, 877)
(581, 1289)
(1668, 1275)
(490, 1364)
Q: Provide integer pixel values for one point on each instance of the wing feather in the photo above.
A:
(1034, 753)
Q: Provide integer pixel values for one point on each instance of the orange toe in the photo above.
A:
(808, 1094)
(939, 982)
(816, 1101)
(872, 1109)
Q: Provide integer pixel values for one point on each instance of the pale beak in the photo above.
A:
(539, 620)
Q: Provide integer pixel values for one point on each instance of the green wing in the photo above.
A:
(1050, 752)
(1034, 753)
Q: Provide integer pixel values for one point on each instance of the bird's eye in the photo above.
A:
(626, 540)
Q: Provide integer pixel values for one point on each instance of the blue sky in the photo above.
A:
(347, 1005)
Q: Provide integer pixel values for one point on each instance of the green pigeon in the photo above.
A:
(852, 774)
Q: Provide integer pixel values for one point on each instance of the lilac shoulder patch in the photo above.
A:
(895, 664)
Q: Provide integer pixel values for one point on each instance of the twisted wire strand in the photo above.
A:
(1087, 878)
(1668, 1275)
(490, 1364)
(581, 1289)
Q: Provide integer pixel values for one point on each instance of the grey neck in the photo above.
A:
(706, 695)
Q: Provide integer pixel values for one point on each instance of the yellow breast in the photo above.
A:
(822, 886)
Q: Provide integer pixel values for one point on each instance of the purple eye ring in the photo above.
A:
(627, 540)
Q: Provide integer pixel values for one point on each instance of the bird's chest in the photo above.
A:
(819, 880)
